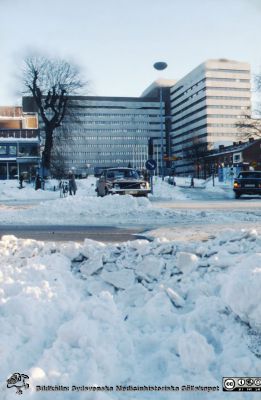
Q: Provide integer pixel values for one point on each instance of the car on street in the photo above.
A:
(247, 182)
(122, 181)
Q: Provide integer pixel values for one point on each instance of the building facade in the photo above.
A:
(205, 106)
(200, 112)
(19, 143)
(106, 131)
(228, 161)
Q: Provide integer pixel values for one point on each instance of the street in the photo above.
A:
(63, 233)
(199, 217)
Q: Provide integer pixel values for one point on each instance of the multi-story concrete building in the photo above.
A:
(205, 106)
(19, 143)
(106, 131)
(200, 113)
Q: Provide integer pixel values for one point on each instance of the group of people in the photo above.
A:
(68, 186)
(39, 183)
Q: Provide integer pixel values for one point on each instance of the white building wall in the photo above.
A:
(206, 105)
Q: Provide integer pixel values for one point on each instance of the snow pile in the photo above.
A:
(225, 189)
(136, 313)
(164, 191)
(79, 210)
(9, 190)
(186, 181)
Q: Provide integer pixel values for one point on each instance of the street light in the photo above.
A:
(160, 66)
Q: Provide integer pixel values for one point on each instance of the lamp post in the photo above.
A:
(160, 66)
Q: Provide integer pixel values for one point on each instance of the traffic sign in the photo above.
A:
(151, 164)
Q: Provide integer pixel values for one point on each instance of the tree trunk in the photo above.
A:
(48, 147)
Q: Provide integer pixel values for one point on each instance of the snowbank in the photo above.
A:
(29, 207)
(163, 191)
(136, 313)
(225, 189)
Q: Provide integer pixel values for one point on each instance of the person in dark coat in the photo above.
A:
(21, 179)
(72, 184)
(38, 183)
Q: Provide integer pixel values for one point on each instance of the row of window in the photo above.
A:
(19, 133)
(210, 79)
(116, 122)
(132, 146)
(232, 71)
(222, 125)
(196, 84)
(80, 129)
(211, 136)
(209, 106)
(99, 106)
(207, 88)
(227, 80)
(222, 134)
(231, 89)
(129, 145)
(204, 117)
(100, 138)
(95, 161)
(101, 153)
(201, 136)
(91, 115)
(22, 150)
(247, 98)
(229, 107)
(194, 131)
(224, 116)
(8, 150)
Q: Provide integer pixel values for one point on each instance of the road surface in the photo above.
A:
(61, 233)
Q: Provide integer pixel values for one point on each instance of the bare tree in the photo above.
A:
(58, 164)
(196, 152)
(50, 82)
(249, 126)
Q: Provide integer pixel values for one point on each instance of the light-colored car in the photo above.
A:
(122, 181)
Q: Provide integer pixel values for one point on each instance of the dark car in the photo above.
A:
(122, 181)
(247, 182)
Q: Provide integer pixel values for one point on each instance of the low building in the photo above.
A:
(19, 143)
(232, 159)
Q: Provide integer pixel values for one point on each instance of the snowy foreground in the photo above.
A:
(137, 313)
(168, 313)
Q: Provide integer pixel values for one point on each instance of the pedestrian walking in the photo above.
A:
(72, 184)
(38, 183)
(21, 179)
(192, 182)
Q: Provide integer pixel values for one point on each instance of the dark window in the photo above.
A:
(3, 149)
(250, 174)
(12, 150)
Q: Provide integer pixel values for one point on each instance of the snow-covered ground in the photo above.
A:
(27, 206)
(181, 309)
(138, 313)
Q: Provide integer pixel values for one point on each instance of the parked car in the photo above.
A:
(247, 182)
(122, 181)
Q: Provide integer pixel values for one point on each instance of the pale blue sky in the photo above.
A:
(116, 42)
